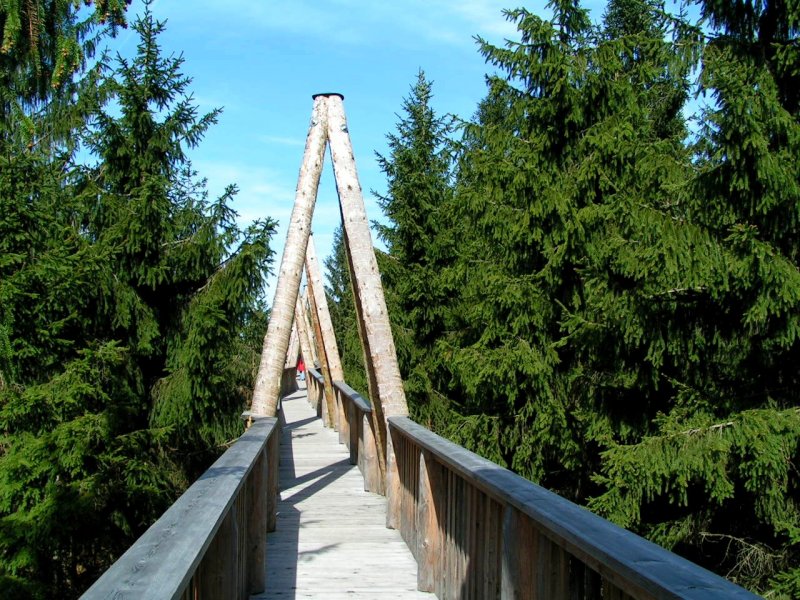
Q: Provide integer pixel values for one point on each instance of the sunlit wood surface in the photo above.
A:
(331, 539)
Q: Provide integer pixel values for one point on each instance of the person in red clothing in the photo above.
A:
(301, 369)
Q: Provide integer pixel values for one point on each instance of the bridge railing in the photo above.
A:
(211, 543)
(357, 432)
(315, 389)
(477, 530)
(353, 422)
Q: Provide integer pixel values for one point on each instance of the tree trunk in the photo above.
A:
(267, 387)
(390, 398)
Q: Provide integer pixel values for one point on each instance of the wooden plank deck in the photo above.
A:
(331, 539)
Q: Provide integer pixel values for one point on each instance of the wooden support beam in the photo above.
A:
(267, 387)
(294, 348)
(314, 277)
(384, 372)
(302, 330)
(327, 385)
(312, 341)
(328, 335)
(376, 421)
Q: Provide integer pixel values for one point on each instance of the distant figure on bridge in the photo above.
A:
(301, 369)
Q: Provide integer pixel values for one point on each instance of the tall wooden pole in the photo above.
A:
(327, 382)
(372, 383)
(390, 399)
(276, 341)
(294, 346)
(323, 313)
(305, 343)
(312, 342)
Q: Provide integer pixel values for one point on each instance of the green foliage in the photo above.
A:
(421, 240)
(602, 302)
(742, 468)
(44, 43)
(128, 304)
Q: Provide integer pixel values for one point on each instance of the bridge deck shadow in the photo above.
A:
(331, 539)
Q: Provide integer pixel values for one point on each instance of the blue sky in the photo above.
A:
(262, 61)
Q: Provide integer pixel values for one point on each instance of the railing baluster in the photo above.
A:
(429, 546)
(273, 461)
(257, 528)
(217, 572)
(491, 558)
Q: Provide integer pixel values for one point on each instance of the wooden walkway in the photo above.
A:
(331, 539)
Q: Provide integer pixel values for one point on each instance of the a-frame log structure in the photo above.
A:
(329, 128)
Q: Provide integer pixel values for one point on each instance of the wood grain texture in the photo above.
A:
(385, 384)
(302, 333)
(315, 286)
(276, 340)
(429, 543)
(628, 563)
(331, 541)
(164, 559)
(309, 330)
(256, 551)
(328, 407)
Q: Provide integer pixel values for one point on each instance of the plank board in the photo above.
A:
(331, 539)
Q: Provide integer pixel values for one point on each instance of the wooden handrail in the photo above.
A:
(315, 388)
(357, 432)
(478, 530)
(361, 403)
(211, 543)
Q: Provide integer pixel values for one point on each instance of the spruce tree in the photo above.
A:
(621, 322)
(712, 476)
(419, 236)
(127, 302)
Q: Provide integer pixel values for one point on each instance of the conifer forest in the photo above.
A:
(593, 280)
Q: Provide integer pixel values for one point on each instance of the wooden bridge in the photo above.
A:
(286, 512)
(330, 495)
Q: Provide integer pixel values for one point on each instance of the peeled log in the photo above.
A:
(268, 381)
(390, 399)
(323, 314)
(305, 342)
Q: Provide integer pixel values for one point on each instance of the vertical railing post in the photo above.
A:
(217, 572)
(344, 422)
(518, 561)
(429, 540)
(257, 492)
(394, 488)
(368, 451)
(352, 429)
(273, 461)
